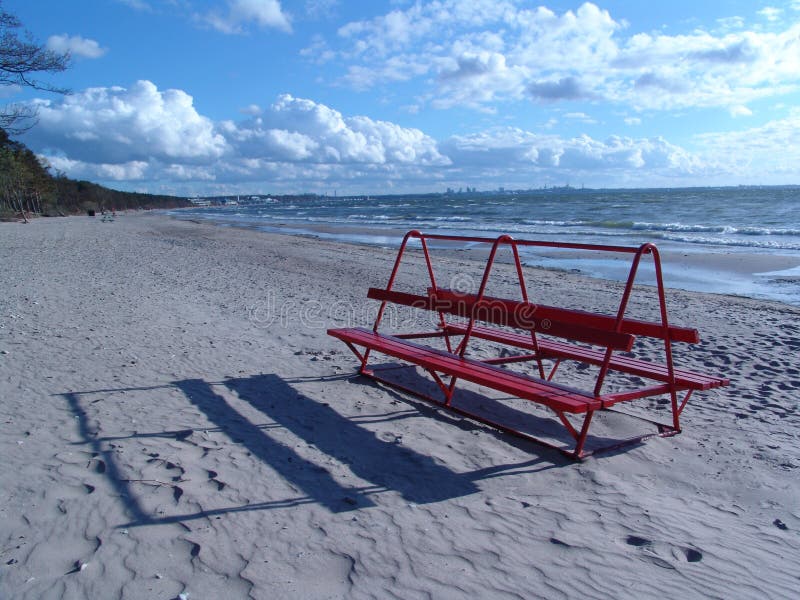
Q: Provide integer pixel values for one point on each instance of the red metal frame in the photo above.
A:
(617, 326)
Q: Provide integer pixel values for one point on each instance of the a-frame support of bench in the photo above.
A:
(611, 333)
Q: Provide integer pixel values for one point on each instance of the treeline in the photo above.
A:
(27, 187)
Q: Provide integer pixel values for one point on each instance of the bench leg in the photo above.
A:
(563, 418)
(678, 409)
(447, 389)
(554, 369)
(447, 341)
(580, 437)
(362, 358)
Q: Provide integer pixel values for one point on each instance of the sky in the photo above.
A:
(217, 97)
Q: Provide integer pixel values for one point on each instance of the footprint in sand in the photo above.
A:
(663, 554)
(77, 567)
(637, 541)
(195, 549)
(80, 565)
(212, 477)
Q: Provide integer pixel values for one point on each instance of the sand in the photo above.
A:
(174, 422)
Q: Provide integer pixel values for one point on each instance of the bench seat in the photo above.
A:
(559, 398)
(549, 348)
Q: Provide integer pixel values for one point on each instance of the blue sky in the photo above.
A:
(287, 96)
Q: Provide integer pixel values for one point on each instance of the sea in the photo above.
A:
(735, 240)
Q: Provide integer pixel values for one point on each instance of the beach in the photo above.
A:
(175, 422)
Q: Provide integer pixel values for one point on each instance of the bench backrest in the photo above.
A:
(509, 313)
(592, 320)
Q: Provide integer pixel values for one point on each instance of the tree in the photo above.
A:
(20, 60)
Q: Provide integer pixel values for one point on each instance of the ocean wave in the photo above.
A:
(541, 229)
(743, 243)
(610, 224)
(666, 227)
(554, 223)
(362, 217)
(725, 229)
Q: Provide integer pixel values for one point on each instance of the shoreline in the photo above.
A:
(739, 272)
(175, 420)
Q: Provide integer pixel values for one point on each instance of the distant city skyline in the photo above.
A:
(230, 97)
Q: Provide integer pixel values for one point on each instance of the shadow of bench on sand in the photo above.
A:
(383, 466)
(386, 465)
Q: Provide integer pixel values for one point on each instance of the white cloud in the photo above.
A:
(318, 51)
(767, 154)
(241, 13)
(566, 88)
(251, 109)
(75, 45)
(522, 152)
(296, 129)
(580, 116)
(384, 33)
(770, 13)
(477, 79)
(740, 111)
(728, 23)
(485, 52)
(118, 125)
(507, 146)
(486, 47)
(319, 9)
(187, 173)
(129, 171)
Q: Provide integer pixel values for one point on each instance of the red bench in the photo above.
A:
(586, 337)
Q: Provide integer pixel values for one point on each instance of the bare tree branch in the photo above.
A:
(20, 59)
(18, 118)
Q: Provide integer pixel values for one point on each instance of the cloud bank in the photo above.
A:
(155, 140)
(476, 54)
